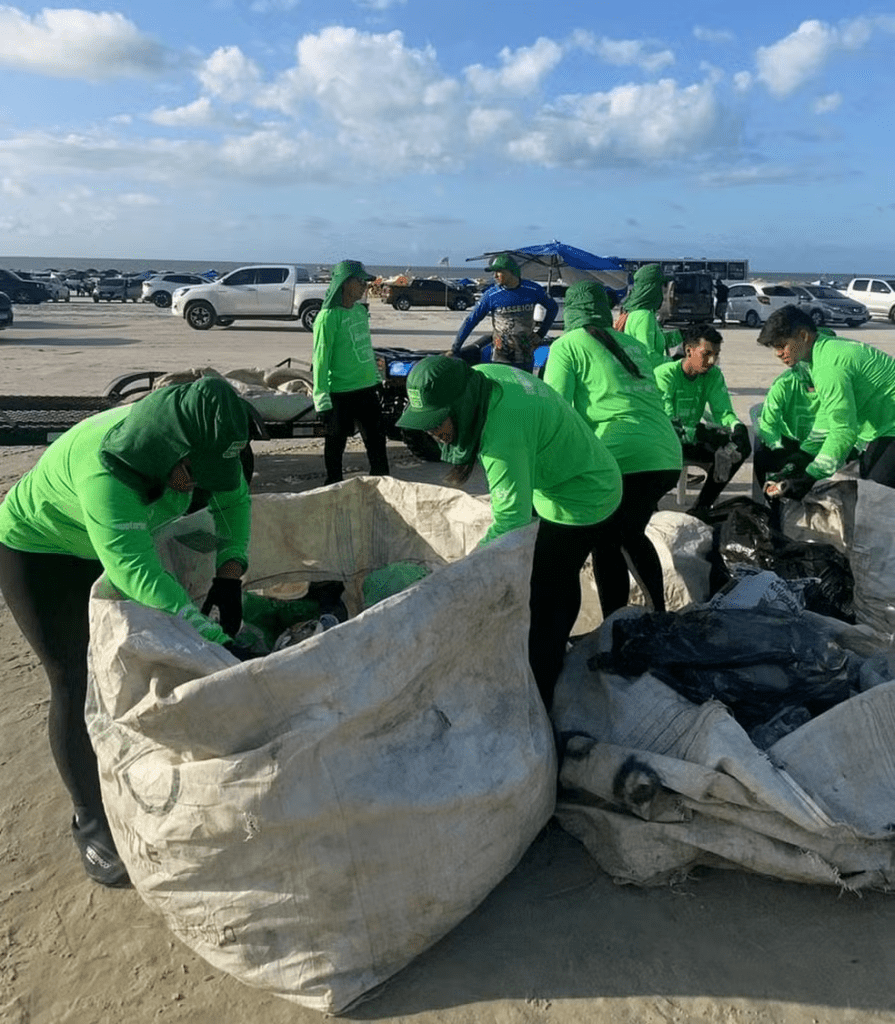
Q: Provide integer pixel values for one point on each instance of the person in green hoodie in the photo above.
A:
(91, 505)
(536, 451)
(855, 389)
(639, 317)
(346, 381)
(606, 375)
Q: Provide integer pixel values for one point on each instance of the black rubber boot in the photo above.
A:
(98, 853)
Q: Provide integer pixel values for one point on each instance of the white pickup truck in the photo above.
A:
(877, 294)
(265, 292)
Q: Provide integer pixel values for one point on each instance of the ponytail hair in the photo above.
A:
(614, 349)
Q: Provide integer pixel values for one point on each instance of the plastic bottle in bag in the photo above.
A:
(725, 457)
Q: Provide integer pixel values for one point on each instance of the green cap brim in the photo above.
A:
(423, 419)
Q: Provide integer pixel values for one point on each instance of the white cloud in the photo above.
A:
(793, 60)
(229, 74)
(520, 73)
(742, 81)
(201, 113)
(712, 35)
(138, 199)
(826, 104)
(77, 44)
(622, 52)
(631, 123)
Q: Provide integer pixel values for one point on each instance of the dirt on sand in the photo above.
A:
(556, 941)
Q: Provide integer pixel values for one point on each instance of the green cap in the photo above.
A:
(433, 387)
(352, 268)
(505, 263)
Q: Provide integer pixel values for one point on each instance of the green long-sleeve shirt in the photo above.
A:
(686, 399)
(537, 451)
(343, 353)
(789, 410)
(643, 325)
(624, 411)
(855, 385)
(69, 503)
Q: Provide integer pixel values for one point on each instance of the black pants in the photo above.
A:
(641, 493)
(704, 454)
(349, 407)
(48, 596)
(560, 552)
(878, 461)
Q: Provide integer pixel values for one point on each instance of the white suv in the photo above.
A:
(160, 288)
(877, 294)
(752, 302)
(55, 285)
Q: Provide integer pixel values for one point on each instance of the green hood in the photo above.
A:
(341, 272)
(646, 291)
(586, 304)
(205, 420)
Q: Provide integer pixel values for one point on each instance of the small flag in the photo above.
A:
(444, 262)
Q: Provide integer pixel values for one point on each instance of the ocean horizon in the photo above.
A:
(474, 269)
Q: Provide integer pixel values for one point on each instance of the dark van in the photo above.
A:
(690, 298)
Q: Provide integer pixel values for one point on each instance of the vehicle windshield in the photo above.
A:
(819, 292)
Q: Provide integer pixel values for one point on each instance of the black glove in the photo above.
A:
(796, 487)
(740, 438)
(240, 652)
(226, 596)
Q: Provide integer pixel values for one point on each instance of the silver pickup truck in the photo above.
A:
(264, 292)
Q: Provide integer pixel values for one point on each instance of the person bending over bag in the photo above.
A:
(91, 504)
(535, 451)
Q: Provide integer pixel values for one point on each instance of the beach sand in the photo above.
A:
(556, 941)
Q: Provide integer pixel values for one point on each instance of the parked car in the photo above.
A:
(689, 299)
(827, 305)
(877, 294)
(21, 290)
(55, 285)
(121, 288)
(752, 302)
(5, 310)
(428, 291)
(558, 293)
(159, 288)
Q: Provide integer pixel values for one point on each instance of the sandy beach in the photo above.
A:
(557, 941)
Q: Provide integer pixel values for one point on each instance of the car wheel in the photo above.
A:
(96, 298)
(817, 317)
(200, 316)
(225, 321)
(853, 323)
(162, 299)
(892, 314)
(21, 296)
(460, 305)
(309, 315)
(752, 319)
(403, 303)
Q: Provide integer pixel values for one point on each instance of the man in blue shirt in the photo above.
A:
(511, 304)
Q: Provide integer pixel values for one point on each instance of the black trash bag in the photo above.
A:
(756, 662)
(743, 535)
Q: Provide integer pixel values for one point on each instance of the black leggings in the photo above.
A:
(878, 461)
(704, 455)
(641, 493)
(349, 407)
(48, 596)
(560, 552)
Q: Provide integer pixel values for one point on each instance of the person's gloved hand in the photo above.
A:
(240, 652)
(794, 487)
(226, 596)
(740, 437)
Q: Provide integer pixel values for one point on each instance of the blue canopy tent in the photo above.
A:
(576, 264)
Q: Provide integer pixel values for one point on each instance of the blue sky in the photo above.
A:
(403, 131)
